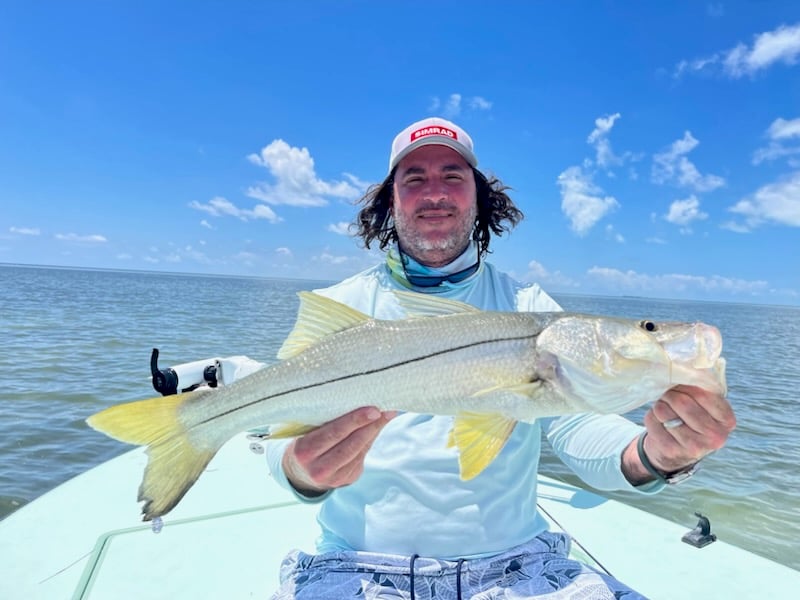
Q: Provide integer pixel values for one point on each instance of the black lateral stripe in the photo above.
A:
(363, 373)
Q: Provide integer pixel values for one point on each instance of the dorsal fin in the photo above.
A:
(428, 305)
(318, 317)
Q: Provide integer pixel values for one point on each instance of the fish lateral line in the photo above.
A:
(396, 365)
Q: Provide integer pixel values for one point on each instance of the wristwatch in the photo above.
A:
(670, 478)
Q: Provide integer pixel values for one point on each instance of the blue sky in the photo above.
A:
(654, 147)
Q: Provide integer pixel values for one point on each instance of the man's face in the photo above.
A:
(434, 204)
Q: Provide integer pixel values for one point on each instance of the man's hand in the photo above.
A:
(332, 455)
(683, 426)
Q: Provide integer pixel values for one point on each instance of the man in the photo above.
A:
(397, 521)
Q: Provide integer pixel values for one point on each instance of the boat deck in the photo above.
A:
(226, 539)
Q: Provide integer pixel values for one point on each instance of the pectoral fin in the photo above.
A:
(528, 389)
(479, 439)
(291, 430)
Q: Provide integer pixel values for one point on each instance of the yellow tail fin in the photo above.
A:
(174, 463)
(142, 422)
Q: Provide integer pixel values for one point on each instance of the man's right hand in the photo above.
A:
(332, 455)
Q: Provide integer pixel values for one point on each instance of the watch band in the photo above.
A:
(668, 478)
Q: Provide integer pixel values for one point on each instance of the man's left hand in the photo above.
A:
(683, 426)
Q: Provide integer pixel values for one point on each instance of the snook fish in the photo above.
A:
(489, 370)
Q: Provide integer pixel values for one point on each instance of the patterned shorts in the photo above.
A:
(537, 569)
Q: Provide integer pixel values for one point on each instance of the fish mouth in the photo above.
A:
(710, 377)
(699, 348)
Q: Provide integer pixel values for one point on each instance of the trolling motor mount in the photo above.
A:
(167, 381)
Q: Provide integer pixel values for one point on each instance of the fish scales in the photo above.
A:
(363, 366)
(380, 363)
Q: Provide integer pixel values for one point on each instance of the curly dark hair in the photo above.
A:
(497, 213)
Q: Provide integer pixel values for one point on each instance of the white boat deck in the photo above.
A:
(226, 539)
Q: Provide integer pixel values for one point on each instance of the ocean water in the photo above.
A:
(76, 341)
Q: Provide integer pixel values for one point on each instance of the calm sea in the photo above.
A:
(75, 341)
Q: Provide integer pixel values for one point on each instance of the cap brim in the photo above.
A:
(465, 152)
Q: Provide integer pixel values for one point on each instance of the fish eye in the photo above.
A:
(648, 325)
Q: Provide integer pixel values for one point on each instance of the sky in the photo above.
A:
(653, 147)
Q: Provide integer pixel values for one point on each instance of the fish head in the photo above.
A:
(613, 365)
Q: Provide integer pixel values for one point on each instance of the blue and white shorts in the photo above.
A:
(537, 569)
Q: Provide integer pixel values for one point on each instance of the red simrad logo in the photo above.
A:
(426, 131)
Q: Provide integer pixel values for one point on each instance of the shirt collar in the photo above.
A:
(412, 274)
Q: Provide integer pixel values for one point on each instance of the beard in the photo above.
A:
(443, 247)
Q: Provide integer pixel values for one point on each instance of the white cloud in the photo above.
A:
(582, 201)
(180, 255)
(536, 270)
(672, 166)
(695, 65)
(206, 224)
(81, 239)
(783, 129)
(25, 230)
(342, 228)
(360, 184)
(189, 253)
(605, 157)
(599, 139)
(735, 227)
(684, 212)
(479, 103)
(284, 251)
(452, 107)
(603, 126)
(615, 235)
(538, 273)
(246, 258)
(329, 258)
(775, 202)
(774, 151)
(449, 109)
(219, 206)
(297, 183)
(779, 133)
(781, 45)
(674, 282)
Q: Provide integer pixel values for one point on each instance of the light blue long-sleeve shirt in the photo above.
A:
(410, 498)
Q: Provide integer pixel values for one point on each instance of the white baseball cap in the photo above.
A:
(432, 131)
